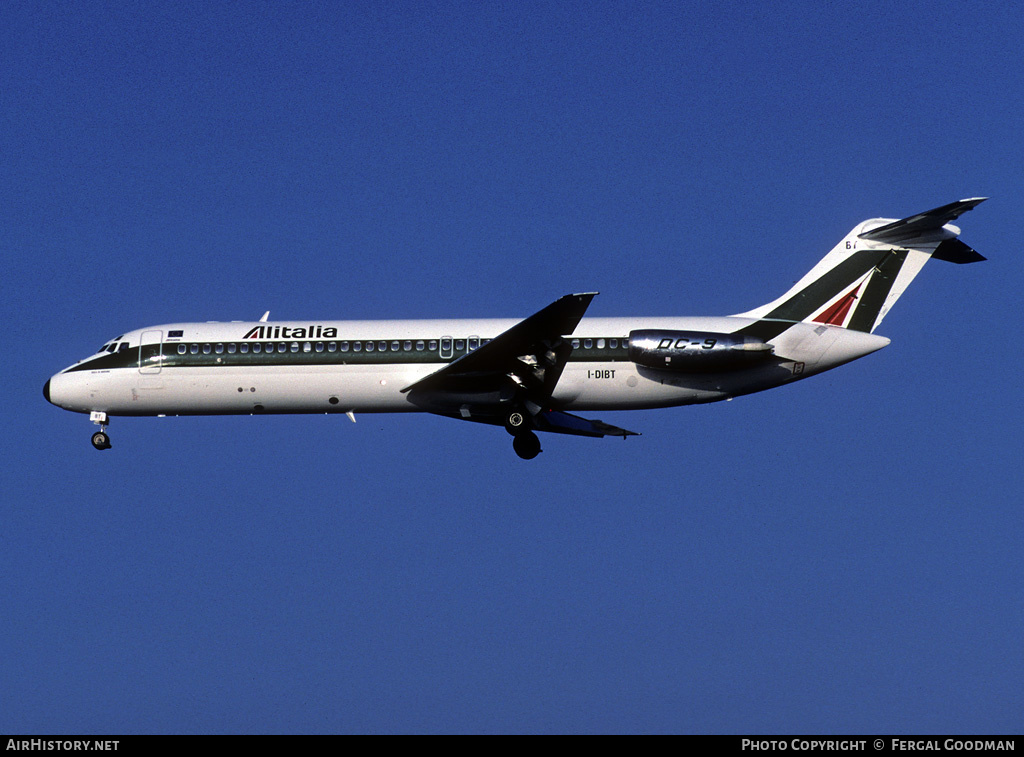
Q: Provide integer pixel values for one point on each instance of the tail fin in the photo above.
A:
(856, 284)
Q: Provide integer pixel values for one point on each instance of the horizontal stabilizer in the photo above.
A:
(566, 423)
(915, 226)
(955, 251)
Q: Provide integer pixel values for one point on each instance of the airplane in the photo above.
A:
(529, 375)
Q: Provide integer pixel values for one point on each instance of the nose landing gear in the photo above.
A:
(100, 440)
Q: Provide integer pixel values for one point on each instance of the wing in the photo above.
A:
(517, 370)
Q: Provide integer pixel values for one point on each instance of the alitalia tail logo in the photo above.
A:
(836, 315)
(287, 332)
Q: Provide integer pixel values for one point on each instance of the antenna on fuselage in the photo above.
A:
(265, 317)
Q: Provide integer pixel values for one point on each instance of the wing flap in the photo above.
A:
(566, 423)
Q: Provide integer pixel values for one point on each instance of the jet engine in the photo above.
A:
(695, 351)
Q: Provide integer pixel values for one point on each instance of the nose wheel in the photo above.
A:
(101, 439)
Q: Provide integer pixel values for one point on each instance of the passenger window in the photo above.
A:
(256, 348)
(588, 343)
(243, 348)
(295, 346)
(369, 346)
(344, 346)
(474, 342)
(406, 345)
(319, 346)
(333, 347)
(395, 347)
(307, 346)
(432, 345)
(575, 344)
(194, 349)
(460, 345)
(182, 349)
(382, 346)
(207, 349)
(420, 345)
(600, 344)
(613, 343)
(219, 349)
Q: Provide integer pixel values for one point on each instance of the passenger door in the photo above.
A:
(151, 352)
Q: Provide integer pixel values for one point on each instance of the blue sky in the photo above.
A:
(838, 555)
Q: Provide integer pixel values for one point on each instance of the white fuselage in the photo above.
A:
(303, 367)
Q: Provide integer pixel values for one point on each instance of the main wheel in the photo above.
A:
(515, 422)
(100, 440)
(527, 445)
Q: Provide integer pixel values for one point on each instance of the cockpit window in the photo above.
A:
(112, 345)
(123, 347)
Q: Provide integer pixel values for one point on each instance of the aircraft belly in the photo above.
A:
(290, 390)
(228, 390)
(626, 386)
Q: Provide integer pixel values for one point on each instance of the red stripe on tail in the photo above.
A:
(836, 314)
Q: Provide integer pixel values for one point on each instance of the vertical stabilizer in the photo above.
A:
(857, 283)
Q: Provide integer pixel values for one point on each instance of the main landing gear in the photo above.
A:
(516, 422)
(100, 440)
(526, 445)
(524, 441)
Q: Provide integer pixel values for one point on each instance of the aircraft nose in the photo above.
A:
(70, 391)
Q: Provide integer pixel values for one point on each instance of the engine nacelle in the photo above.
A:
(696, 351)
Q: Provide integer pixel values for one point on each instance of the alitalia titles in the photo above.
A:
(289, 332)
